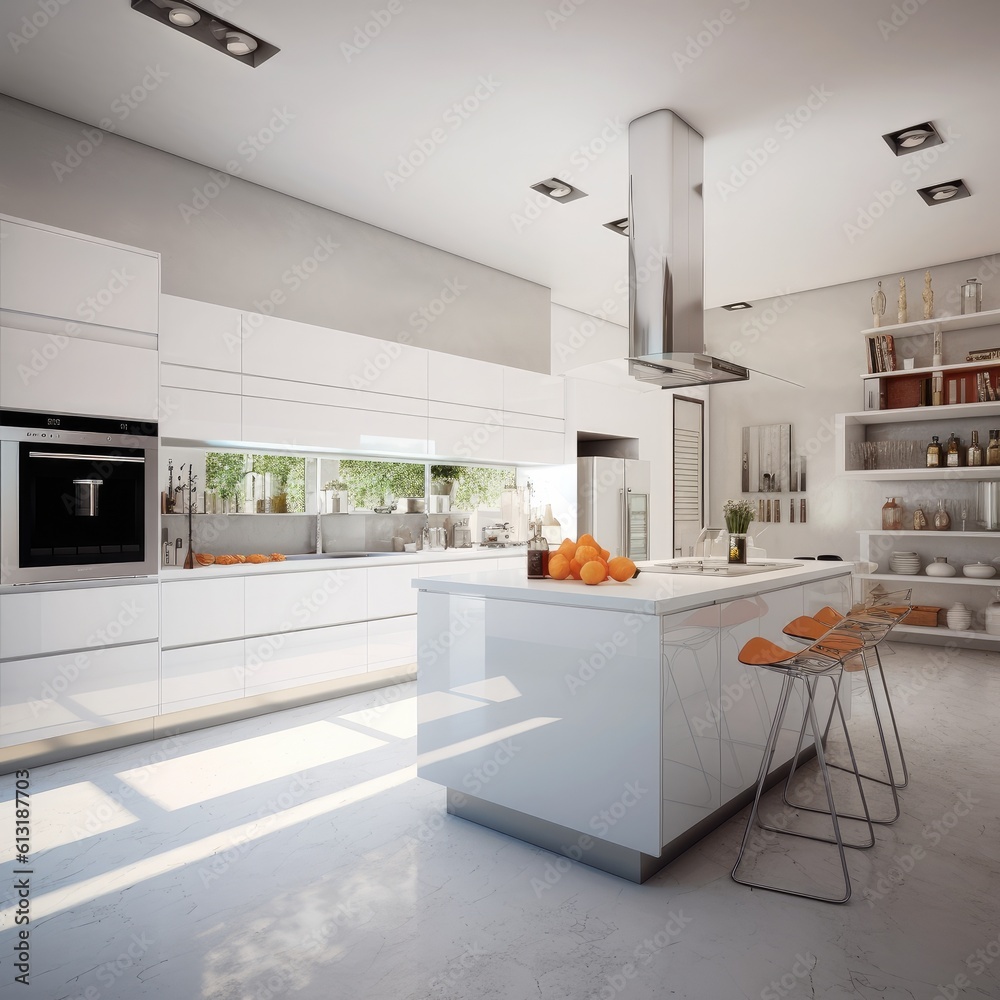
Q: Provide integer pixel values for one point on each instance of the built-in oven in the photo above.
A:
(78, 498)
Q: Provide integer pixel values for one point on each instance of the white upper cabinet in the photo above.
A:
(300, 352)
(200, 334)
(533, 393)
(451, 379)
(71, 374)
(48, 273)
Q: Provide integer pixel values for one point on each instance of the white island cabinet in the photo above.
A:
(611, 724)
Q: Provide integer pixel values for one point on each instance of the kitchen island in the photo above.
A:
(611, 724)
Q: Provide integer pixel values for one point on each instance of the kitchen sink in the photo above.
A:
(714, 569)
(340, 555)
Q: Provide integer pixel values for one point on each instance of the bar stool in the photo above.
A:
(822, 658)
(892, 607)
(869, 633)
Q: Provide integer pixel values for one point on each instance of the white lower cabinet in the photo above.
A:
(392, 642)
(195, 676)
(391, 591)
(305, 600)
(49, 621)
(198, 611)
(55, 695)
(291, 659)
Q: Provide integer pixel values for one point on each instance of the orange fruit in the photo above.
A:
(605, 554)
(593, 573)
(585, 553)
(621, 569)
(574, 568)
(558, 566)
(587, 540)
(568, 548)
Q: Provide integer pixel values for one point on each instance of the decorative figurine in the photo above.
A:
(878, 306)
(928, 296)
(901, 312)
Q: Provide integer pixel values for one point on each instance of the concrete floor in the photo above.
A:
(299, 855)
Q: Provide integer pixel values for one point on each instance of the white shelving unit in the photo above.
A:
(961, 547)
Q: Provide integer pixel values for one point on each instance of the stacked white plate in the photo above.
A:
(904, 563)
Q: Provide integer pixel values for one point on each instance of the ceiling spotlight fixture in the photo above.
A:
(916, 137)
(196, 22)
(182, 15)
(938, 194)
(618, 226)
(558, 190)
(736, 306)
(239, 43)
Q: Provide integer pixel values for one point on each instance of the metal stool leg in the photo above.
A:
(754, 812)
(892, 719)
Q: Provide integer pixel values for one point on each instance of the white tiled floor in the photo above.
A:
(299, 855)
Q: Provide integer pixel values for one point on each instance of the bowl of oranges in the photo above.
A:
(586, 561)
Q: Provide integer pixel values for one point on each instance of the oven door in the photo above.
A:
(77, 510)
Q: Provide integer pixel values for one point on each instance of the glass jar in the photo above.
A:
(737, 547)
(972, 296)
(919, 518)
(993, 449)
(538, 555)
(935, 459)
(953, 456)
(975, 453)
(942, 519)
(892, 515)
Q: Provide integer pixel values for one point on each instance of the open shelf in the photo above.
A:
(912, 475)
(932, 533)
(927, 327)
(942, 631)
(965, 581)
(906, 414)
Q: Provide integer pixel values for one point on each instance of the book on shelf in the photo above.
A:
(879, 356)
(890, 353)
(985, 354)
(990, 391)
(870, 356)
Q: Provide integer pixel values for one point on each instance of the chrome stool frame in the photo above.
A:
(819, 660)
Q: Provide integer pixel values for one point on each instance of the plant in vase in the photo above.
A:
(336, 496)
(279, 468)
(738, 514)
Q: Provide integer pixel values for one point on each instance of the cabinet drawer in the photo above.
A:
(392, 642)
(533, 392)
(47, 622)
(390, 591)
(453, 379)
(72, 692)
(305, 600)
(292, 659)
(201, 675)
(467, 440)
(523, 445)
(197, 611)
(456, 567)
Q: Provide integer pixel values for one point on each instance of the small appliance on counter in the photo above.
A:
(461, 535)
(498, 536)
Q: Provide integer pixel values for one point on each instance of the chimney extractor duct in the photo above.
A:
(666, 250)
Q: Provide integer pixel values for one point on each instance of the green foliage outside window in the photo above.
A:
(368, 481)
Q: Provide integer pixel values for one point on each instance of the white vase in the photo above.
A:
(939, 567)
(959, 617)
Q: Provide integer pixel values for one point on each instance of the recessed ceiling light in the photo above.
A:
(736, 306)
(206, 27)
(938, 194)
(913, 138)
(558, 190)
(182, 16)
(239, 43)
(618, 226)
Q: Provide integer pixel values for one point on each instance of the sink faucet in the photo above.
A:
(319, 532)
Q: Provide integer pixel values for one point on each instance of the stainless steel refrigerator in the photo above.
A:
(613, 504)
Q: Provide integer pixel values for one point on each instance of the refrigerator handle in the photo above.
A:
(623, 533)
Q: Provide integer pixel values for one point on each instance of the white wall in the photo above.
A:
(813, 337)
(249, 246)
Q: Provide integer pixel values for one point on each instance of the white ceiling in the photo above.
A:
(560, 79)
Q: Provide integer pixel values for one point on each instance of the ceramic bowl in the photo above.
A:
(979, 570)
(940, 569)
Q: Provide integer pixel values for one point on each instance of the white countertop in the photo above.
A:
(650, 593)
(172, 574)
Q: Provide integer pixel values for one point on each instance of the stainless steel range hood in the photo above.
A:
(666, 250)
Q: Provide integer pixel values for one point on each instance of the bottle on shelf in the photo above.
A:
(892, 515)
(942, 519)
(935, 457)
(993, 449)
(919, 518)
(953, 456)
(974, 456)
(538, 554)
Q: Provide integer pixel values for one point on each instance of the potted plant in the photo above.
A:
(443, 480)
(738, 514)
(279, 468)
